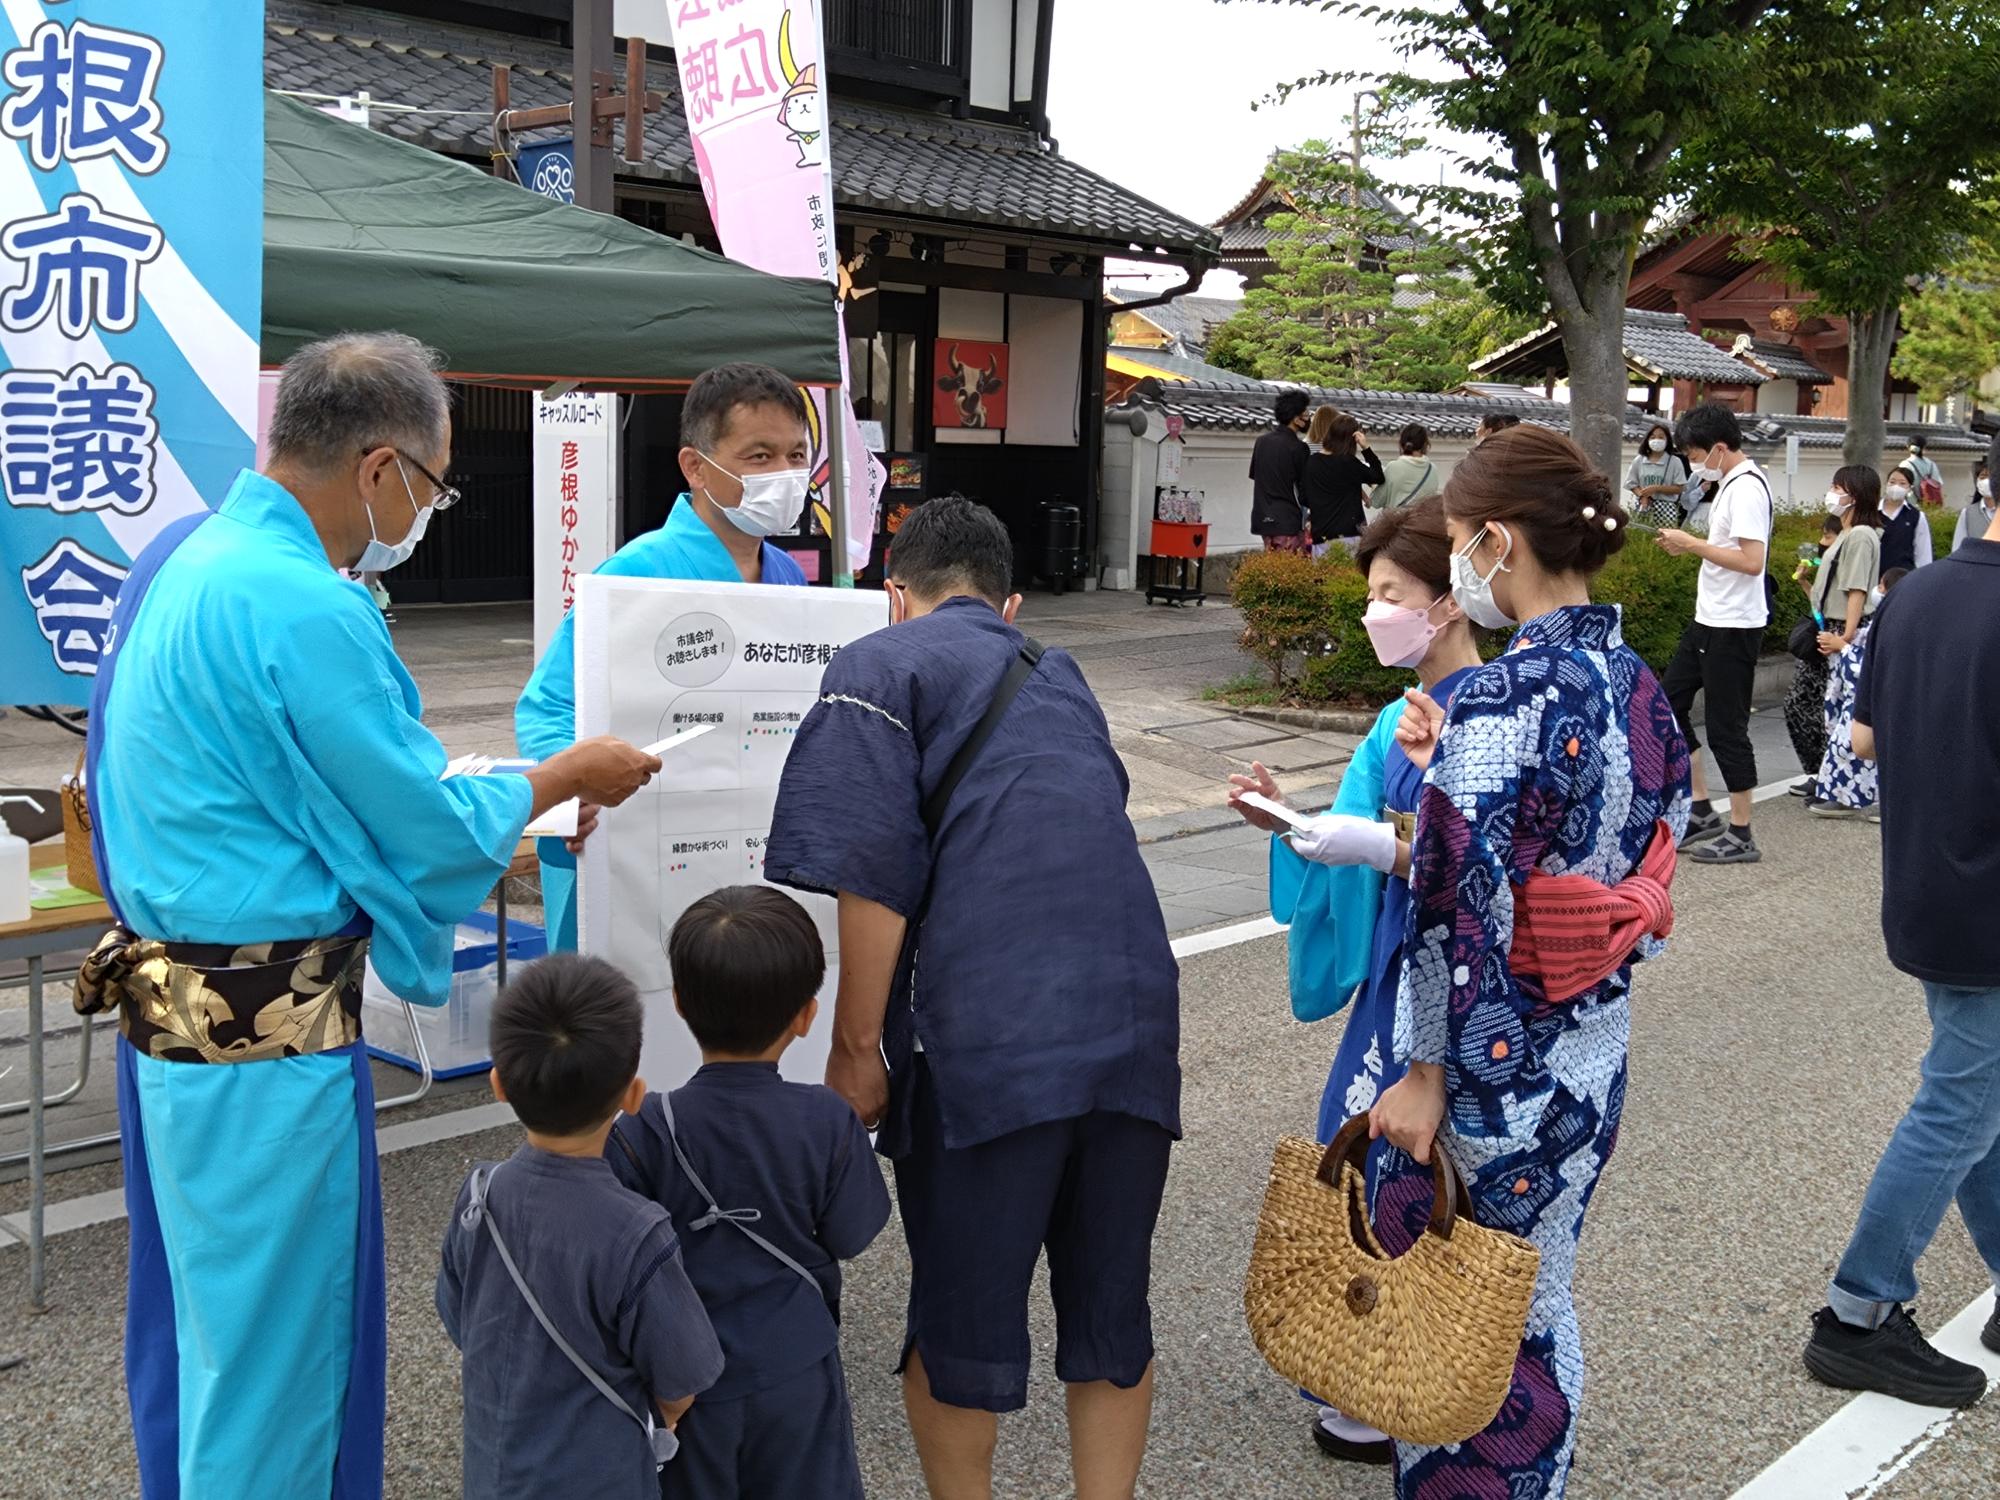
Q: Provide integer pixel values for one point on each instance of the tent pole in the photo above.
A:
(836, 454)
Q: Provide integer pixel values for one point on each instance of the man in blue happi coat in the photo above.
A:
(744, 453)
(1003, 945)
(268, 810)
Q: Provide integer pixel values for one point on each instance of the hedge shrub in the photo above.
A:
(1302, 618)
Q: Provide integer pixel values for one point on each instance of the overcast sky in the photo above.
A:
(1156, 95)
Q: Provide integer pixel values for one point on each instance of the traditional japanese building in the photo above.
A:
(958, 221)
(1245, 230)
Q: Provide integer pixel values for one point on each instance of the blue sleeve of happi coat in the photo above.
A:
(1332, 909)
(415, 853)
(857, 1201)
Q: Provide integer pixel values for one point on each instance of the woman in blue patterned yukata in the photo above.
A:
(1560, 758)
(1342, 887)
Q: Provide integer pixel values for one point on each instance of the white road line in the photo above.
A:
(1226, 937)
(1769, 790)
(92, 1209)
(72, 1214)
(1872, 1439)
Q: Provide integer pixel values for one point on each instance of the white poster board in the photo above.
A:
(748, 659)
(575, 498)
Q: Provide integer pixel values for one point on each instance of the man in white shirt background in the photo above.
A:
(1717, 656)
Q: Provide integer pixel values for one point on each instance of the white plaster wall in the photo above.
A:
(992, 54)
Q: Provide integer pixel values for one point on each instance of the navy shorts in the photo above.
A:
(1087, 1190)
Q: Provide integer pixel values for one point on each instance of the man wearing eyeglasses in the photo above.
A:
(268, 810)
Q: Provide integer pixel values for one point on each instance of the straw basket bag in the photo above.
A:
(1420, 1345)
(78, 856)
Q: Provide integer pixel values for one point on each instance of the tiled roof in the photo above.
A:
(1193, 370)
(886, 161)
(1659, 345)
(1246, 407)
(1246, 232)
(1783, 362)
(1186, 320)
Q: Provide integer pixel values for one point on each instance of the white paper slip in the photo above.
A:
(675, 741)
(559, 822)
(1277, 810)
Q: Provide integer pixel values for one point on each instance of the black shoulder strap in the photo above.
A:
(1018, 672)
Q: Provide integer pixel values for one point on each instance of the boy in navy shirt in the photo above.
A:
(599, 1262)
(774, 1184)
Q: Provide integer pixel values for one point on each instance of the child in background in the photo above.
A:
(774, 1184)
(599, 1262)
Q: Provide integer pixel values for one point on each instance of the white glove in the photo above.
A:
(1343, 839)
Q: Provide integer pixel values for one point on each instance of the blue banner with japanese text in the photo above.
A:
(131, 284)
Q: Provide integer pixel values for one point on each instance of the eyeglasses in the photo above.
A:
(443, 496)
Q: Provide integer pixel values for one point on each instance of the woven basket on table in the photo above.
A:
(78, 856)
(1421, 1345)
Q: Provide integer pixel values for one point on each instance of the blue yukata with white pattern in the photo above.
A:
(1561, 756)
(545, 718)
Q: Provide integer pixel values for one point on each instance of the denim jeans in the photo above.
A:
(1948, 1145)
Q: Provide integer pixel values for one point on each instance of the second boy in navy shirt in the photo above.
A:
(773, 1184)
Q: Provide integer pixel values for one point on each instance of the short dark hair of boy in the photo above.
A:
(566, 1036)
(1289, 407)
(1892, 577)
(1498, 421)
(1709, 425)
(953, 545)
(717, 393)
(746, 960)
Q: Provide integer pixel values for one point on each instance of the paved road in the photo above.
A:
(1772, 1051)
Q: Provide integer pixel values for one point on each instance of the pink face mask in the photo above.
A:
(1402, 636)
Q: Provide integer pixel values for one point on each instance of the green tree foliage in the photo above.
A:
(1855, 164)
(1329, 311)
(1951, 329)
(1587, 102)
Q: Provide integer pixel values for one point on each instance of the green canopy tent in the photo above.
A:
(363, 231)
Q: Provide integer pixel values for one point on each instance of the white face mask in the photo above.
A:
(1706, 470)
(1984, 489)
(1897, 493)
(1475, 592)
(379, 556)
(771, 502)
(1837, 503)
(1657, 445)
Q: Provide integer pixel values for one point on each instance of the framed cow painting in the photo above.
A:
(969, 381)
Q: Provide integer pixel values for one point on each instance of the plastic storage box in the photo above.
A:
(455, 1033)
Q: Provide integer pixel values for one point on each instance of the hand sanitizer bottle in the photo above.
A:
(13, 870)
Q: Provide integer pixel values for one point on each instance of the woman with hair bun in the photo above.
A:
(1556, 793)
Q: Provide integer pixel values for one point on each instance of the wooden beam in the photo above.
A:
(1690, 249)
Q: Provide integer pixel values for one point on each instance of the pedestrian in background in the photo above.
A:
(1805, 704)
(1656, 478)
(1921, 713)
(1906, 530)
(1492, 422)
(1277, 478)
(1338, 473)
(1717, 655)
(1410, 476)
(1977, 517)
(1928, 476)
(1843, 598)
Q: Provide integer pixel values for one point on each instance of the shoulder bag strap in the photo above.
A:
(1018, 672)
(741, 1218)
(477, 1212)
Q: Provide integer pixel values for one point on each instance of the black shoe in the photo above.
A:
(1838, 811)
(1703, 825)
(1802, 788)
(1735, 846)
(1990, 1334)
(1895, 1359)
(1345, 1449)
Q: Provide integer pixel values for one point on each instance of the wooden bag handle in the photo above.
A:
(1449, 1195)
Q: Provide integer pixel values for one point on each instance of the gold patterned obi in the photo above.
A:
(218, 1003)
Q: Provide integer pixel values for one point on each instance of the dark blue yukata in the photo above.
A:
(791, 1161)
(1033, 1040)
(605, 1266)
